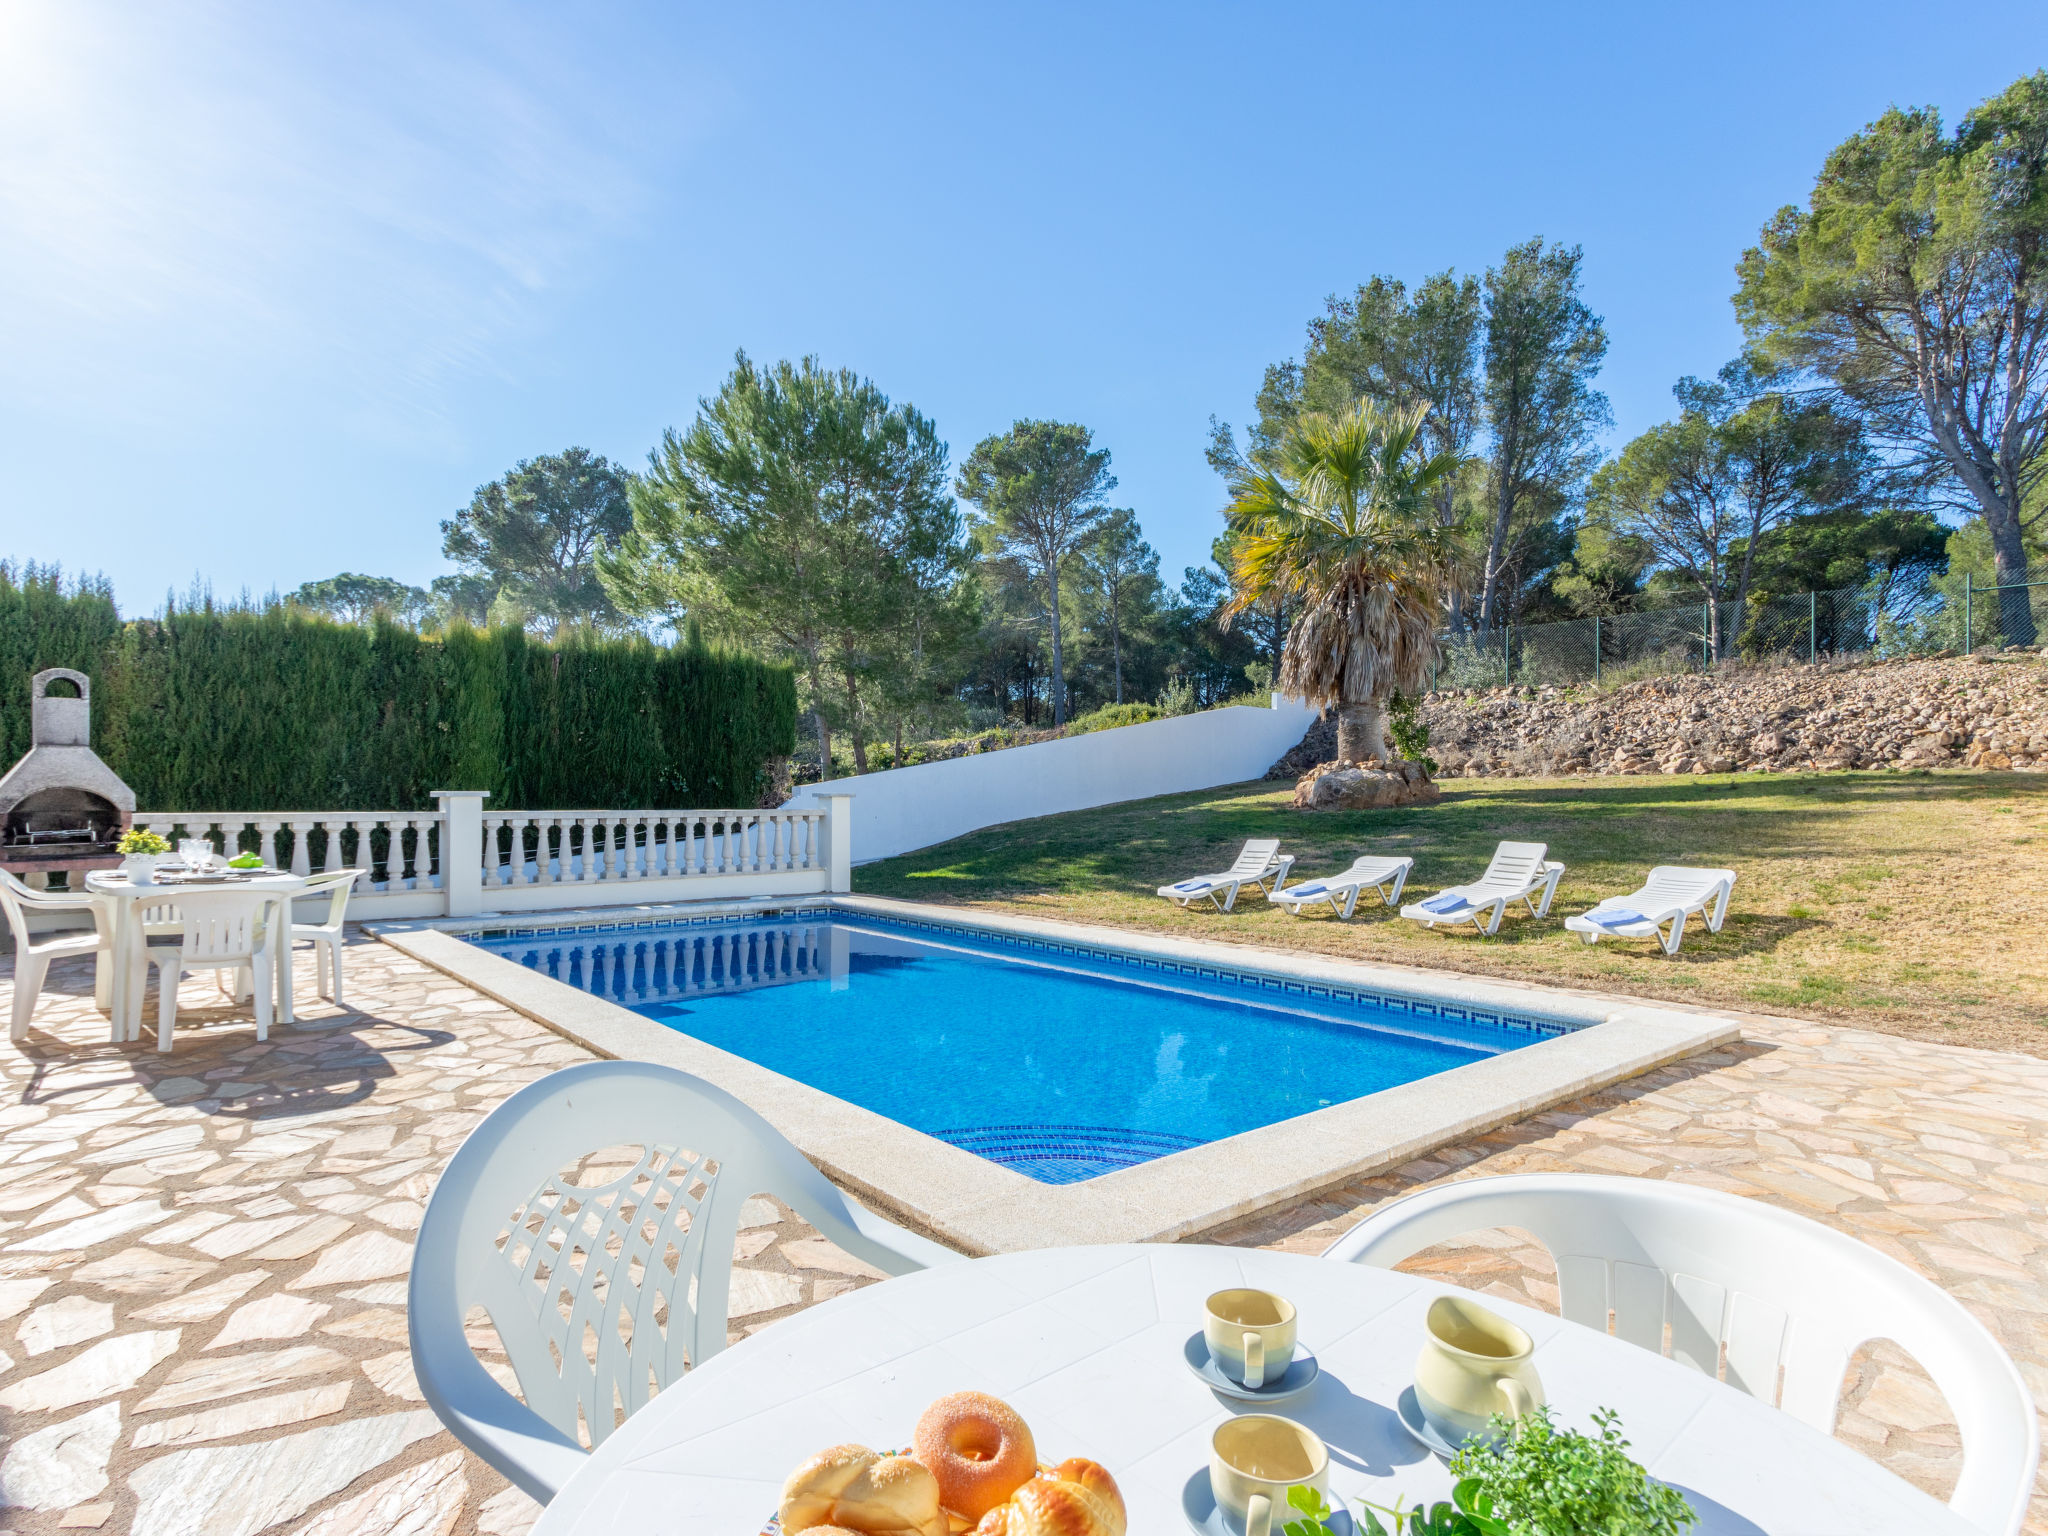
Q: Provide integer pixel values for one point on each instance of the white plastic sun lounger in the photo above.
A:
(1517, 872)
(1670, 894)
(1381, 872)
(1261, 858)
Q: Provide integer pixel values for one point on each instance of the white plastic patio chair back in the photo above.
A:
(211, 930)
(1780, 1301)
(35, 946)
(327, 935)
(601, 1294)
(221, 928)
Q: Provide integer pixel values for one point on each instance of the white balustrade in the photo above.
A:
(531, 848)
(535, 860)
(398, 851)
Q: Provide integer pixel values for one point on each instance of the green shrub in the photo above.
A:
(1410, 735)
(1110, 716)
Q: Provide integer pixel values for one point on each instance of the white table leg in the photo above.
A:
(106, 918)
(124, 928)
(282, 963)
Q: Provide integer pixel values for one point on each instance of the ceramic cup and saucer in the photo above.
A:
(1247, 1348)
(1254, 1459)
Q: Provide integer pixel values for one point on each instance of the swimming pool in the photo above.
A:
(1061, 1061)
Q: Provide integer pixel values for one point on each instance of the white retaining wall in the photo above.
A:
(899, 809)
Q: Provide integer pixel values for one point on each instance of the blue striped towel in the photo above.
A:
(1445, 904)
(1617, 917)
(1193, 885)
(1308, 890)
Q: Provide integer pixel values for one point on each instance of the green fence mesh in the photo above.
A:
(1885, 619)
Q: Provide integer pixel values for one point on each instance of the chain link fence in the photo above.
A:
(1885, 618)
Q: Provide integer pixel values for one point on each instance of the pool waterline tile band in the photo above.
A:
(980, 1207)
(1238, 973)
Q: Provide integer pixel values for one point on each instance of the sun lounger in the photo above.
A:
(1517, 872)
(1670, 894)
(1381, 872)
(1261, 858)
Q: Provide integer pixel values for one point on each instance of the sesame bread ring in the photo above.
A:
(977, 1447)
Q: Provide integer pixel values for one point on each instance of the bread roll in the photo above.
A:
(1077, 1498)
(850, 1486)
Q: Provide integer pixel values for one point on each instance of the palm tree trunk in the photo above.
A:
(1362, 730)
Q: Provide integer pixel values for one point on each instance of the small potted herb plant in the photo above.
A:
(1531, 1479)
(139, 849)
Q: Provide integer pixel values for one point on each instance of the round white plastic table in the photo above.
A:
(127, 897)
(1086, 1344)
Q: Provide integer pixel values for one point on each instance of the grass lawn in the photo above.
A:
(1911, 903)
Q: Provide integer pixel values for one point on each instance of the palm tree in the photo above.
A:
(1343, 523)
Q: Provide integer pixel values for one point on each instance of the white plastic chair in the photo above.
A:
(1774, 1291)
(601, 1294)
(1259, 859)
(326, 935)
(1667, 896)
(40, 921)
(1381, 872)
(217, 930)
(1517, 873)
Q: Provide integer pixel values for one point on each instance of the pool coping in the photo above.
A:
(982, 1207)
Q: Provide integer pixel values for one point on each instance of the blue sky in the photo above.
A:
(281, 285)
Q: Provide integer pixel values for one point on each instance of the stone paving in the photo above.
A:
(202, 1256)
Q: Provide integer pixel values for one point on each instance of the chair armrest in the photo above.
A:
(480, 1413)
(921, 1252)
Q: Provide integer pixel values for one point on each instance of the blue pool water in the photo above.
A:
(1060, 1065)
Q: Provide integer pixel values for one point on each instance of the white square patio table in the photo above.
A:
(128, 899)
(1086, 1344)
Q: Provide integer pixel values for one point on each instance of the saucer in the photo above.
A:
(1299, 1376)
(1205, 1515)
(1410, 1411)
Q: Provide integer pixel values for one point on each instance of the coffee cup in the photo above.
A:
(1253, 1460)
(1474, 1364)
(1250, 1335)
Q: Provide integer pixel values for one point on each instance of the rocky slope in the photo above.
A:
(1985, 712)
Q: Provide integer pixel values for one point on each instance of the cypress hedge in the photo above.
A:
(275, 709)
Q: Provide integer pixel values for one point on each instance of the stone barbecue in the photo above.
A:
(61, 808)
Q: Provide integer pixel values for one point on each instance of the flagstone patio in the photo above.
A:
(202, 1256)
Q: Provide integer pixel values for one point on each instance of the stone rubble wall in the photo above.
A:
(1981, 712)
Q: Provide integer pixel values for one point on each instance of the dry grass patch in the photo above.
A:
(1911, 903)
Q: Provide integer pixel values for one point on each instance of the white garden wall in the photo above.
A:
(904, 808)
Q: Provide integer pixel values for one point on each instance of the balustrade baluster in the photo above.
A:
(492, 826)
(610, 836)
(416, 860)
(366, 857)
